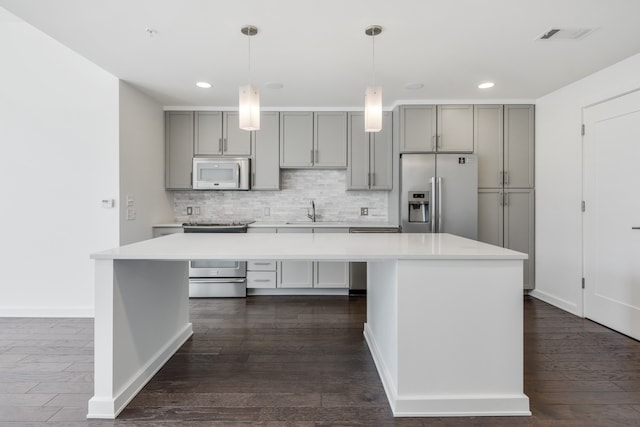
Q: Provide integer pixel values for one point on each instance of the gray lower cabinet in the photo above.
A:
(313, 140)
(329, 274)
(313, 274)
(165, 231)
(370, 155)
(261, 274)
(218, 134)
(265, 165)
(295, 274)
(178, 149)
(506, 218)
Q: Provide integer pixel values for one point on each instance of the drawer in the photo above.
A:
(261, 279)
(261, 265)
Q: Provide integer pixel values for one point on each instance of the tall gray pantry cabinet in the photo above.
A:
(504, 138)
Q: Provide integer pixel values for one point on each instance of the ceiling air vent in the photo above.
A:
(565, 34)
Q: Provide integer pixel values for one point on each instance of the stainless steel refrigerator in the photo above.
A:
(439, 194)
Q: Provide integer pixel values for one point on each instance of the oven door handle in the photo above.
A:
(215, 280)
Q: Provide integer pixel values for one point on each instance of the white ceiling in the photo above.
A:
(318, 50)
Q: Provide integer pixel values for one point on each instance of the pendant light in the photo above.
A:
(249, 96)
(373, 93)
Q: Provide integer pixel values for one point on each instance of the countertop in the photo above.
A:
(300, 224)
(310, 246)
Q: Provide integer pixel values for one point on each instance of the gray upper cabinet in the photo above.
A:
(518, 146)
(218, 134)
(455, 129)
(310, 139)
(505, 145)
(178, 149)
(330, 140)
(431, 128)
(370, 155)
(296, 139)
(265, 167)
(418, 128)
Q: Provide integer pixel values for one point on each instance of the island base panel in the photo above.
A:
(446, 336)
(141, 320)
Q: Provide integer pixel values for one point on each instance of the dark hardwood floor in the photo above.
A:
(302, 361)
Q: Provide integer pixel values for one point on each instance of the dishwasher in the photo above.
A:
(358, 270)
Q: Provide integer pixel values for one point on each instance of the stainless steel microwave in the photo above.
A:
(221, 173)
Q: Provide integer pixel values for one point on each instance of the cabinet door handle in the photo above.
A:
(220, 145)
(311, 152)
(434, 142)
(506, 199)
(635, 228)
(253, 179)
(225, 144)
(373, 179)
(506, 178)
(501, 198)
(368, 180)
(501, 178)
(262, 280)
(315, 158)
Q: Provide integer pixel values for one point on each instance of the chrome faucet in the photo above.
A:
(312, 215)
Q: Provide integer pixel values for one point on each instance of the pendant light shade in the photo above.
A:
(248, 95)
(249, 108)
(373, 109)
(373, 94)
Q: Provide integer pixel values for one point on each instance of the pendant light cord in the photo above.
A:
(373, 60)
(249, 37)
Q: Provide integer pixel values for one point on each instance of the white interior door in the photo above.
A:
(612, 218)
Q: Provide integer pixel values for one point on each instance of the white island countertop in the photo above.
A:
(325, 246)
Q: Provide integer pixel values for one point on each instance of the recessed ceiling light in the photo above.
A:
(413, 86)
(486, 85)
(203, 85)
(274, 85)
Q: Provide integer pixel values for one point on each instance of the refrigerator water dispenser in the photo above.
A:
(419, 206)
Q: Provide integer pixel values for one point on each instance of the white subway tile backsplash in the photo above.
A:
(298, 188)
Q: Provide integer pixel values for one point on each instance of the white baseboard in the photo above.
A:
(557, 302)
(76, 312)
(109, 408)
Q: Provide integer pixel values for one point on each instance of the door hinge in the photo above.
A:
(582, 129)
(583, 206)
(583, 283)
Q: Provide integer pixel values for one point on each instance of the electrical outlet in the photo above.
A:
(189, 210)
(131, 214)
(364, 211)
(130, 201)
(196, 210)
(267, 211)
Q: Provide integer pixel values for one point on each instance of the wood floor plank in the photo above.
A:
(302, 361)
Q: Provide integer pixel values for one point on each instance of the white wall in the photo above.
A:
(141, 165)
(559, 180)
(58, 160)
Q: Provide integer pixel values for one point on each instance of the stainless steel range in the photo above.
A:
(217, 278)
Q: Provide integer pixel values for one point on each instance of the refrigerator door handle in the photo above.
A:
(439, 204)
(432, 202)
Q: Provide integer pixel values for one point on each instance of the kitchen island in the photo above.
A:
(444, 314)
